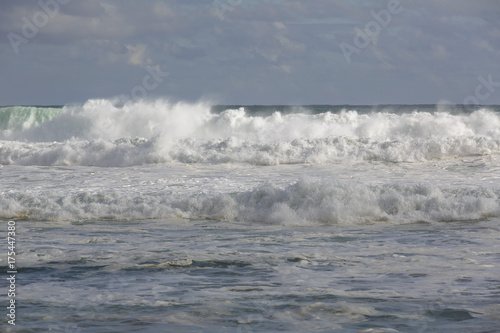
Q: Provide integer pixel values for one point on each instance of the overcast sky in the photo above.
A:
(251, 51)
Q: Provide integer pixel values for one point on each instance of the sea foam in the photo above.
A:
(104, 133)
(303, 202)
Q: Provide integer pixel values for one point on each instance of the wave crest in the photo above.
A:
(104, 133)
(305, 202)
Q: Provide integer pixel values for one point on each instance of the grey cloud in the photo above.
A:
(264, 50)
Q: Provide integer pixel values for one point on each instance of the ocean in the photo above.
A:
(152, 216)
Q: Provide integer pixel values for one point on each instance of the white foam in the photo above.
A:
(128, 152)
(307, 201)
(100, 133)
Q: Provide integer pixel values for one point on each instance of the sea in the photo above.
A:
(160, 216)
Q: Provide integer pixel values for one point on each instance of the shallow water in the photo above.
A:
(212, 276)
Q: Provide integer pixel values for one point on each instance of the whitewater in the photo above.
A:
(155, 216)
(101, 133)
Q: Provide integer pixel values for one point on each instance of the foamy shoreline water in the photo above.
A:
(212, 276)
(157, 217)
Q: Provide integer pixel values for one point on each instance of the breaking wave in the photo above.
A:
(306, 201)
(104, 133)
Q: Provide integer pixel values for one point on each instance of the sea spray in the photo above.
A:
(105, 133)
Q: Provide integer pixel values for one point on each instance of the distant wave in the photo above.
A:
(305, 202)
(103, 133)
(14, 119)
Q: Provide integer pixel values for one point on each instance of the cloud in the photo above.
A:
(137, 55)
(435, 50)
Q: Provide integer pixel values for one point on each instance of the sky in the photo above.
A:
(55, 52)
